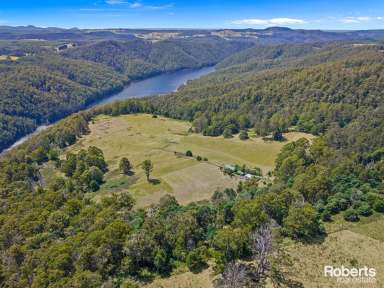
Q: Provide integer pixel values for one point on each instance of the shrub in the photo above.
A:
(343, 204)
(302, 223)
(243, 135)
(146, 275)
(86, 279)
(196, 260)
(198, 158)
(372, 197)
(320, 207)
(189, 153)
(130, 284)
(277, 136)
(205, 159)
(379, 205)
(227, 133)
(125, 166)
(326, 215)
(39, 155)
(337, 204)
(364, 209)
(94, 186)
(333, 206)
(351, 215)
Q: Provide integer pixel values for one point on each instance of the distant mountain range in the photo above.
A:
(264, 36)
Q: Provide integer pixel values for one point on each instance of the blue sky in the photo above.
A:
(306, 14)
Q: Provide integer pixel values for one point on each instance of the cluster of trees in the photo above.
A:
(198, 157)
(330, 181)
(85, 169)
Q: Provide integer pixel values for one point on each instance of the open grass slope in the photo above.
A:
(350, 244)
(185, 280)
(139, 137)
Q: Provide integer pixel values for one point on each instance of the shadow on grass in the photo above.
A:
(130, 173)
(315, 240)
(154, 181)
(196, 269)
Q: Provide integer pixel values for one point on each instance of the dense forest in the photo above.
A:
(139, 59)
(54, 236)
(44, 86)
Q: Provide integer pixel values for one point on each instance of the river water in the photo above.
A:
(160, 84)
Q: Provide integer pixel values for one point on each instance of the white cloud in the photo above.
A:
(138, 4)
(115, 2)
(360, 19)
(266, 22)
(135, 5)
(159, 7)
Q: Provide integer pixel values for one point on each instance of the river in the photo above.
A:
(160, 84)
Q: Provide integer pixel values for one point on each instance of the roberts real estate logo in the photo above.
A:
(351, 275)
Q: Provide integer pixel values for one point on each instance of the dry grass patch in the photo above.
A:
(253, 152)
(185, 280)
(198, 181)
(351, 248)
(7, 57)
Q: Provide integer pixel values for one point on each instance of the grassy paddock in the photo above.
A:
(350, 244)
(185, 280)
(139, 137)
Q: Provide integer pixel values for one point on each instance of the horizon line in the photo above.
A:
(186, 28)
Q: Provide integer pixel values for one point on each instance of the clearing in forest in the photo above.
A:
(164, 141)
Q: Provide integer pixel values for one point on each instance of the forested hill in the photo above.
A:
(46, 87)
(43, 85)
(138, 58)
(320, 88)
(335, 92)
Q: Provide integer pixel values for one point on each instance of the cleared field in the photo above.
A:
(357, 245)
(162, 140)
(185, 280)
(6, 57)
(368, 226)
(253, 152)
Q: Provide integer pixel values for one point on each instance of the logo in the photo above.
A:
(351, 275)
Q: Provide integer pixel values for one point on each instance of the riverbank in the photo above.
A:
(155, 85)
